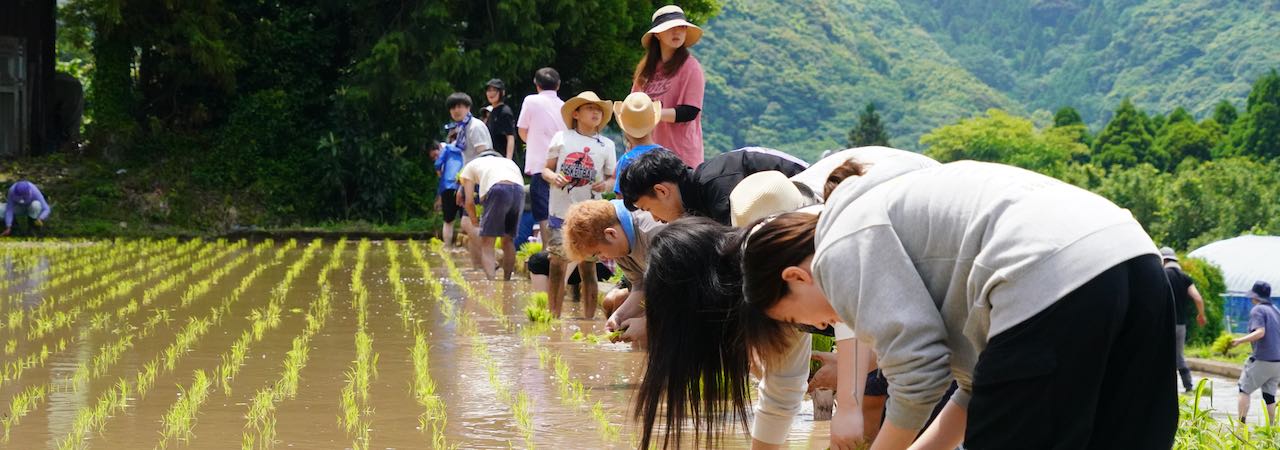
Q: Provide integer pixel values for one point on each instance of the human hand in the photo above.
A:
(560, 181)
(633, 331)
(6, 231)
(457, 197)
(39, 223)
(847, 429)
(826, 376)
(616, 319)
(1200, 320)
(599, 186)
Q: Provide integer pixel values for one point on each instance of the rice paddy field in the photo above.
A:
(322, 344)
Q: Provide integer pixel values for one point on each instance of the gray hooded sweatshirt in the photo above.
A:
(928, 266)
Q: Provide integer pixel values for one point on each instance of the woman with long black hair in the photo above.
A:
(1044, 302)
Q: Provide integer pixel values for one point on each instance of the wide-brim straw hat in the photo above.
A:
(571, 105)
(668, 17)
(763, 194)
(638, 114)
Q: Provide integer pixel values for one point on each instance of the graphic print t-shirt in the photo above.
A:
(584, 160)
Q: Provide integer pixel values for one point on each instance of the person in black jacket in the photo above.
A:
(660, 183)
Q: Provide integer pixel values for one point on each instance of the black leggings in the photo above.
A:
(1092, 371)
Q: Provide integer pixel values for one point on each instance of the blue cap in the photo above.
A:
(625, 161)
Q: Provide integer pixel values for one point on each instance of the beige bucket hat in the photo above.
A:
(763, 194)
(638, 114)
(571, 105)
(668, 17)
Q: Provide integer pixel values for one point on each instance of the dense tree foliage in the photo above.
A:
(320, 109)
(794, 74)
(1181, 185)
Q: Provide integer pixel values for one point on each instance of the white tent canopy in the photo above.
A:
(1244, 260)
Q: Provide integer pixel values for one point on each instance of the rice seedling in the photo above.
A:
(524, 418)
(608, 430)
(181, 417)
(94, 418)
(22, 404)
(537, 308)
(526, 250)
(1197, 429)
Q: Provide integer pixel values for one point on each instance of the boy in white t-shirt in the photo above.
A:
(580, 166)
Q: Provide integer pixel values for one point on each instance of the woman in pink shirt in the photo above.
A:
(672, 76)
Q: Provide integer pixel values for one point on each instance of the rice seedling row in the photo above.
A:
(259, 429)
(355, 412)
(56, 259)
(60, 269)
(433, 418)
(50, 315)
(519, 403)
(60, 320)
(104, 271)
(572, 391)
(109, 354)
(180, 418)
(94, 418)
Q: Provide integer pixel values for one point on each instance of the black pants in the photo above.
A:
(1092, 371)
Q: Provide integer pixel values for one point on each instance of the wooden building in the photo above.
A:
(27, 52)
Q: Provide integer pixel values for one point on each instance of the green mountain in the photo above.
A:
(792, 74)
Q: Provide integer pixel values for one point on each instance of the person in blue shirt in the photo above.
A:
(448, 161)
(1262, 370)
(24, 199)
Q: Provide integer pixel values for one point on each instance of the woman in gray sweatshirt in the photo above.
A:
(1046, 304)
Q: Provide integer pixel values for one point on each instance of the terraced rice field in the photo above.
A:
(322, 344)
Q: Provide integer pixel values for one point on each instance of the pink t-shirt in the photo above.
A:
(685, 87)
(540, 113)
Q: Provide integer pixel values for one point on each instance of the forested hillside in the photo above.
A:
(793, 74)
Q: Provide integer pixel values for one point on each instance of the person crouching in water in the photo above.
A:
(1026, 290)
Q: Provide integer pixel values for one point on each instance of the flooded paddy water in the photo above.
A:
(353, 344)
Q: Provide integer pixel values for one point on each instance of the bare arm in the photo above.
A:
(1195, 296)
(853, 363)
(469, 194)
(947, 432)
(524, 132)
(511, 145)
(669, 115)
(1255, 335)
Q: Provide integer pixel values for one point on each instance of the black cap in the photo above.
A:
(496, 83)
(1261, 291)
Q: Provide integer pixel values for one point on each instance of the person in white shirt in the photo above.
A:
(579, 167)
(501, 188)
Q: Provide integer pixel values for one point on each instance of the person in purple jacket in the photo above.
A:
(24, 198)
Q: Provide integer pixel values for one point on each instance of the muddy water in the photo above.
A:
(476, 416)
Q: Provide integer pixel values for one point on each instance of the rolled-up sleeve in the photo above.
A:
(782, 392)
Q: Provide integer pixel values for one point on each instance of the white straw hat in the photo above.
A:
(668, 17)
(638, 115)
(763, 194)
